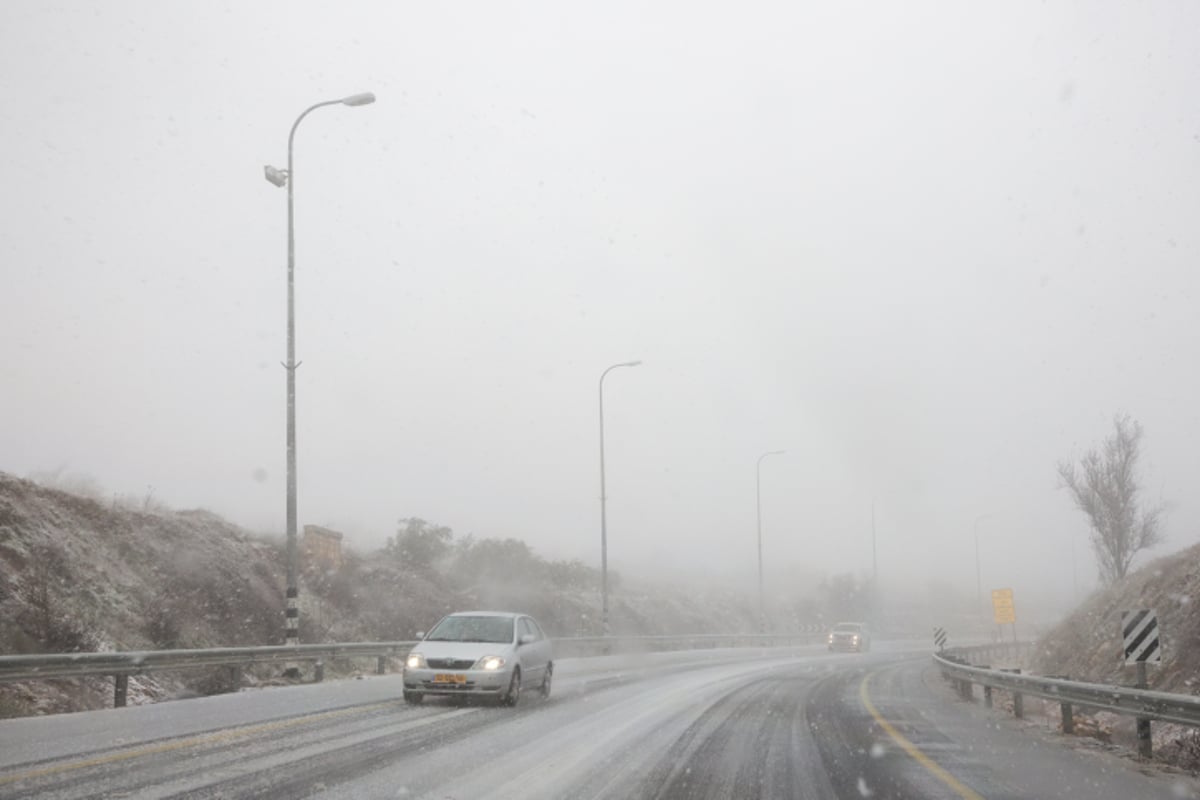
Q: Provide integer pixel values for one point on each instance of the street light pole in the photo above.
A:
(603, 503)
(762, 608)
(292, 625)
(978, 571)
(874, 552)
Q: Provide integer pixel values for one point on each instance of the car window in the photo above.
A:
(461, 628)
(537, 629)
(527, 628)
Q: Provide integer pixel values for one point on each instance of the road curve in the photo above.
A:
(742, 724)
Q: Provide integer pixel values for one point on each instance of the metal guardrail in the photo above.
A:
(72, 665)
(1145, 704)
(991, 652)
(120, 665)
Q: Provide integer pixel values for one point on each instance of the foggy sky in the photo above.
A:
(927, 248)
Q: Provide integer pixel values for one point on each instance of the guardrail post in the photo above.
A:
(987, 690)
(235, 678)
(1068, 712)
(381, 665)
(319, 671)
(121, 691)
(1018, 698)
(1145, 744)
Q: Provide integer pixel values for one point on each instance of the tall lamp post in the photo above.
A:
(978, 572)
(603, 502)
(288, 178)
(762, 608)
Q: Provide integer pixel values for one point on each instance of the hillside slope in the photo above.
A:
(76, 574)
(80, 575)
(1087, 645)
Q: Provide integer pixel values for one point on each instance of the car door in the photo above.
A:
(544, 645)
(532, 662)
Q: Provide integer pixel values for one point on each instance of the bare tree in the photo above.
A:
(1104, 486)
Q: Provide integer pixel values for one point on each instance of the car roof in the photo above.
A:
(486, 614)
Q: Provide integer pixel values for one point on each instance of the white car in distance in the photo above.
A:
(853, 637)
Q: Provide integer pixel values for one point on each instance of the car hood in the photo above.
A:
(472, 650)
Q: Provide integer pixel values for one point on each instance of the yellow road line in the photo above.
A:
(963, 791)
(192, 741)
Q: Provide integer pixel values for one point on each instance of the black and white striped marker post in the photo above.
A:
(292, 629)
(939, 638)
(1139, 629)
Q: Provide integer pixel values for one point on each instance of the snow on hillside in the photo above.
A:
(79, 575)
(1087, 645)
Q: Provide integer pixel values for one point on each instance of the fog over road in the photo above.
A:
(744, 723)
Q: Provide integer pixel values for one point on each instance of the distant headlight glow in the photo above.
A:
(491, 663)
(415, 661)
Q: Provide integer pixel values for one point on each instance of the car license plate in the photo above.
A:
(441, 678)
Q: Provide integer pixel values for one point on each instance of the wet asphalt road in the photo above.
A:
(716, 724)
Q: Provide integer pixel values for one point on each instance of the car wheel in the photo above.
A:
(413, 698)
(546, 680)
(513, 696)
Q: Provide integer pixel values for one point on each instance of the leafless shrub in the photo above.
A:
(1105, 487)
(1182, 751)
(46, 617)
(64, 480)
(163, 615)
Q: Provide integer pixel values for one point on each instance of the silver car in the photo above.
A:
(480, 653)
(850, 637)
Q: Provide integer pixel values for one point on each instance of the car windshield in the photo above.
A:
(847, 628)
(472, 629)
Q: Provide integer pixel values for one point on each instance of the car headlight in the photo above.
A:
(415, 661)
(831, 638)
(490, 663)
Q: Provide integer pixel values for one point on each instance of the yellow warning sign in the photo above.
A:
(1003, 609)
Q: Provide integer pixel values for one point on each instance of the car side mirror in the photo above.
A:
(527, 638)
(420, 635)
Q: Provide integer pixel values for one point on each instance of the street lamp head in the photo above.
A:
(279, 177)
(769, 453)
(982, 517)
(364, 99)
(631, 364)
